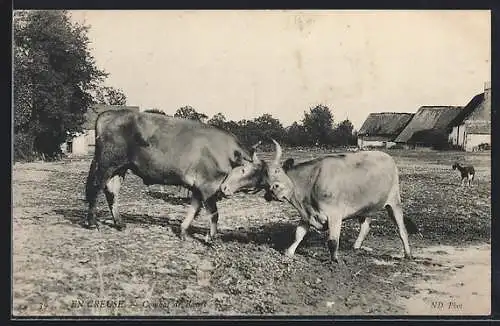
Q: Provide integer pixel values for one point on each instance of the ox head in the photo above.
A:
(279, 185)
(247, 176)
(258, 175)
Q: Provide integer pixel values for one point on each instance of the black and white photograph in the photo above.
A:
(220, 163)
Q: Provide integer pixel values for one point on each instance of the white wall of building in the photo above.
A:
(473, 140)
(374, 143)
(79, 145)
(457, 135)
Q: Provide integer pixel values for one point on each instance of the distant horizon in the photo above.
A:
(300, 120)
(284, 62)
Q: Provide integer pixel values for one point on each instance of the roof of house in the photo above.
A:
(482, 111)
(474, 104)
(385, 123)
(432, 118)
(95, 110)
(478, 127)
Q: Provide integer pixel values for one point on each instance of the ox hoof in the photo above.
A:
(91, 226)
(286, 260)
(288, 257)
(289, 252)
(183, 235)
(408, 257)
(121, 226)
(336, 263)
(211, 239)
(362, 249)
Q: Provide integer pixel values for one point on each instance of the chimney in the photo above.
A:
(487, 91)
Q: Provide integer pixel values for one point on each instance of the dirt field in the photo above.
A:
(60, 268)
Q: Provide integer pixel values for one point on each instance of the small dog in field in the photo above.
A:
(467, 172)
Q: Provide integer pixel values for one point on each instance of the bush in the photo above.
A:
(23, 147)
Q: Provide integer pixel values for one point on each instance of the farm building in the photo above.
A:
(429, 127)
(472, 127)
(380, 129)
(83, 143)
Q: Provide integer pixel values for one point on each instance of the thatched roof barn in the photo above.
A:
(472, 127)
(429, 125)
(468, 109)
(477, 111)
(384, 124)
(380, 129)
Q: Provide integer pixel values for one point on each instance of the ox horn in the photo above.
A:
(255, 158)
(279, 152)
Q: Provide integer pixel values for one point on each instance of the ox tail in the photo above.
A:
(94, 178)
(411, 227)
(91, 187)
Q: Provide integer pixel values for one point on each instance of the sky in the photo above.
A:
(247, 63)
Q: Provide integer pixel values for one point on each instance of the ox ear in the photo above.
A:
(254, 147)
(288, 164)
(238, 158)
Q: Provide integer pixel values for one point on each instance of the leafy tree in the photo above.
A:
(188, 112)
(155, 111)
(110, 96)
(296, 135)
(218, 120)
(269, 127)
(343, 133)
(54, 78)
(318, 125)
(262, 128)
(233, 127)
(247, 132)
(354, 138)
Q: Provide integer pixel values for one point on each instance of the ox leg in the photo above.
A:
(396, 213)
(334, 227)
(91, 213)
(363, 231)
(112, 191)
(300, 232)
(96, 180)
(193, 211)
(211, 205)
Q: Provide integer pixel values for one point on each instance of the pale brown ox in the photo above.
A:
(328, 190)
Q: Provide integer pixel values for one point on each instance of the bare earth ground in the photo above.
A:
(60, 268)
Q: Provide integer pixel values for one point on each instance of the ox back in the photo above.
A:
(358, 182)
(160, 150)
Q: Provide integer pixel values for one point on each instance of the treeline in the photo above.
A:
(317, 128)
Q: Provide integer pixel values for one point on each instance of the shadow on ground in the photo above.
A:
(169, 198)
(277, 235)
